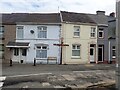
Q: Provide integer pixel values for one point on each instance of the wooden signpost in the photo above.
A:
(61, 45)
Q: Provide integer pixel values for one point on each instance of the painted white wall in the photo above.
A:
(53, 33)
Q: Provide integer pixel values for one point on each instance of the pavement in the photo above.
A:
(57, 76)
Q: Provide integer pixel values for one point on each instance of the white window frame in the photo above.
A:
(41, 49)
(42, 29)
(76, 49)
(93, 32)
(1, 31)
(113, 51)
(102, 31)
(76, 30)
(22, 32)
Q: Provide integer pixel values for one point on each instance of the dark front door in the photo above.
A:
(100, 53)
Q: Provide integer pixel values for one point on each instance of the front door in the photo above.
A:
(23, 53)
(92, 54)
(100, 53)
(19, 55)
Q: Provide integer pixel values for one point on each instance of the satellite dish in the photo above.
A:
(32, 31)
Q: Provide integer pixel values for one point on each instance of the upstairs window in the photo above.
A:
(20, 32)
(42, 32)
(101, 33)
(76, 31)
(92, 34)
(1, 31)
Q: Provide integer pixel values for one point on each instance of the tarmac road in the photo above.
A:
(57, 76)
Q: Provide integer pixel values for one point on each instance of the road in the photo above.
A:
(58, 76)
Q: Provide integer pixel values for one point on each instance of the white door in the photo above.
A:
(92, 54)
(16, 55)
(23, 54)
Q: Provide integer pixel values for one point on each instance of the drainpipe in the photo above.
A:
(109, 52)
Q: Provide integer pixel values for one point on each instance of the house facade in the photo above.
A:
(57, 38)
(79, 32)
(35, 39)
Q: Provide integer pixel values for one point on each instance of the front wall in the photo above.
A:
(9, 35)
(53, 33)
(84, 40)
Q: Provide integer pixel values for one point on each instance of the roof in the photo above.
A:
(76, 17)
(99, 19)
(30, 17)
(18, 44)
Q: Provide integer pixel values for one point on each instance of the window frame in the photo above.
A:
(76, 49)
(22, 31)
(40, 49)
(113, 50)
(24, 52)
(16, 51)
(102, 31)
(1, 31)
(93, 32)
(75, 31)
(43, 29)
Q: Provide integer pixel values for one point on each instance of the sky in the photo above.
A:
(53, 6)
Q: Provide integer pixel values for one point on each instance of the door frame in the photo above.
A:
(102, 46)
(94, 48)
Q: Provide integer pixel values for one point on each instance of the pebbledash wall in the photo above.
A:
(53, 37)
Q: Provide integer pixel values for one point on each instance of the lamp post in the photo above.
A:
(118, 44)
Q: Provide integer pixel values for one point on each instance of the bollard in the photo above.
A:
(34, 62)
(10, 62)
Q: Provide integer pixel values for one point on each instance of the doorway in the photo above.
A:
(92, 53)
(100, 53)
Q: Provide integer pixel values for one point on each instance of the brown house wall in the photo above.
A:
(9, 35)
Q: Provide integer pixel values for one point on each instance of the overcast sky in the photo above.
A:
(40, 6)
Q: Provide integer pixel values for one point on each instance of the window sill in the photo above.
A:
(76, 36)
(92, 37)
(75, 57)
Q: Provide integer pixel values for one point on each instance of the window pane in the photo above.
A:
(24, 52)
(73, 47)
(76, 34)
(1, 47)
(20, 32)
(100, 34)
(16, 51)
(41, 53)
(75, 52)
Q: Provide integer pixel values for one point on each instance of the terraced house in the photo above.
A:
(32, 37)
(57, 38)
(80, 32)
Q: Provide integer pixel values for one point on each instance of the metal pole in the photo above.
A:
(118, 44)
(109, 53)
(34, 62)
(10, 62)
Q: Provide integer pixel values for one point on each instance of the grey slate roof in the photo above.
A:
(76, 17)
(99, 19)
(31, 17)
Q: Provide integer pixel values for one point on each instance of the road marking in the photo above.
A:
(89, 71)
(1, 84)
(29, 75)
(1, 81)
(2, 78)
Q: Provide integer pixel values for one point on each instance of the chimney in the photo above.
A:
(112, 14)
(100, 12)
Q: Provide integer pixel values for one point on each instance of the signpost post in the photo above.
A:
(61, 45)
